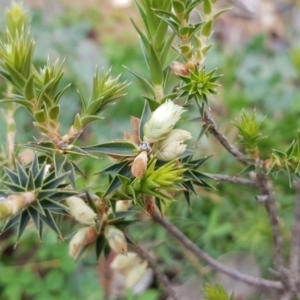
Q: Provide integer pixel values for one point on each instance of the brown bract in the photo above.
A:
(139, 165)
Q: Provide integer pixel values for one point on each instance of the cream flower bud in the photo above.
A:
(135, 274)
(176, 135)
(82, 237)
(124, 262)
(116, 239)
(170, 151)
(162, 121)
(81, 211)
(139, 165)
(121, 205)
(172, 146)
(77, 242)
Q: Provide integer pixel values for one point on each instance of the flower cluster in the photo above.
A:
(86, 237)
(167, 143)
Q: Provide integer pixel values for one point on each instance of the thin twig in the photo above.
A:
(234, 180)
(213, 129)
(162, 278)
(266, 188)
(286, 296)
(295, 243)
(264, 185)
(180, 237)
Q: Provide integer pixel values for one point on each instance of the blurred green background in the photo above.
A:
(256, 48)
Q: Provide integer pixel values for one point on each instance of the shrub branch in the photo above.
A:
(202, 255)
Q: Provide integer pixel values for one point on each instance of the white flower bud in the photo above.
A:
(116, 239)
(170, 151)
(77, 242)
(176, 135)
(162, 121)
(81, 211)
(172, 146)
(121, 262)
(82, 237)
(135, 274)
(121, 205)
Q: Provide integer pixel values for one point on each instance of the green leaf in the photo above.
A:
(61, 195)
(29, 91)
(144, 118)
(11, 222)
(40, 116)
(69, 168)
(54, 183)
(160, 12)
(45, 147)
(60, 93)
(59, 161)
(172, 24)
(22, 174)
(100, 244)
(38, 180)
(144, 39)
(165, 51)
(215, 292)
(88, 119)
(91, 202)
(153, 104)
(114, 184)
(248, 169)
(30, 183)
(206, 29)
(113, 169)
(79, 151)
(34, 215)
(144, 17)
(156, 71)
(190, 188)
(38, 207)
(18, 79)
(25, 103)
(218, 13)
(13, 187)
(207, 7)
(151, 19)
(25, 217)
(54, 112)
(145, 83)
(120, 148)
(42, 93)
(190, 7)
(160, 36)
(48, 219)
(35, 165)
(82, 101)
(77, 169)
(187, 197)
(12, 176)
(55, 207)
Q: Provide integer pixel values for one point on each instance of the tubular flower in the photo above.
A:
(116, 239)
(82, 237)
(81, 211)
(162, 121)
(171, 147)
